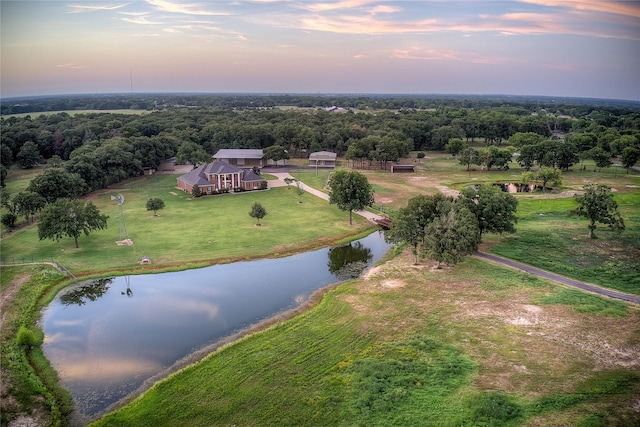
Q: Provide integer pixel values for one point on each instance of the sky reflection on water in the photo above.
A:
(123, 331)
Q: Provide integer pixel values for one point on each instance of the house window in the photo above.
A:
(240, 162)
(209, 190)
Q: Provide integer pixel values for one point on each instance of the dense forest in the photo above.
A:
(95, 149)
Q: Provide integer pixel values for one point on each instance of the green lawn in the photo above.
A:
(550, 238)
(187, 230)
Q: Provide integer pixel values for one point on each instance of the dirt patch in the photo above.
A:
(393, 284)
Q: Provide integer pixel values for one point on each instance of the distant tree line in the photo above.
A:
(88, 151)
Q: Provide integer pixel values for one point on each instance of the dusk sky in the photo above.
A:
(581, 48)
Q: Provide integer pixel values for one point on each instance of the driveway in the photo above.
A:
(280, 183)
(560, 279)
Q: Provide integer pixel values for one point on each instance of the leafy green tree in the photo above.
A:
(452, 235)
(493, 208)
(9, 219)
(350, 190)
(629, 157)
(405, 228)
(55, 183)
(54, 162)
(276, 153)
(28, 156)
(469, 156)
(155, 204)
(410, 225)
(28, 204)
(551, 176)
(192, 153)
(618, 145)
(565, 155)
(597, 205)
(527, 156)
(70, 218)
(520, 139)
(257, 211)
(601, 157)
(455, 146)
(6, 155)
(443, 134)
(494, 156)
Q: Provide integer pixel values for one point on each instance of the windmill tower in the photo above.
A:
(122, 227)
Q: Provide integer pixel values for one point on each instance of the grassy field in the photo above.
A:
(471, 345)
(187, 230)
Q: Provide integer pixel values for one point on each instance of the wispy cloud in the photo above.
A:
(337, 5)
(72, 66)
(141, 20)
(626, 8)
(430, 54)
(84, 8)
(183, 8)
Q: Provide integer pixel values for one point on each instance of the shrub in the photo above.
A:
(420, 155)
(27, 338)
(9, 219)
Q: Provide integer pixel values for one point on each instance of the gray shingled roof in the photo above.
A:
(240, 153)
(322, 155)
(219, 168)
(195, 177)
(198, 175)
(250, 175)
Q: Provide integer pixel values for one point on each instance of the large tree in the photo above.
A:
(453, 234)
(28, 203)
(629, 157)
(493, 208)
(28, 156)
(192, 153)
(597, 205)
(276, 153)
(350, 190)
(469, 156)
(410, 225)
(56, 183)
(70, 218)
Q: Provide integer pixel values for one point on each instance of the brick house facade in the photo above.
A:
(220, 176)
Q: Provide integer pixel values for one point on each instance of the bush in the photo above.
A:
(9, 219)
(420, 155)
(27, 338)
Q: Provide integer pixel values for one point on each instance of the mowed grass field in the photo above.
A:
(187, 230)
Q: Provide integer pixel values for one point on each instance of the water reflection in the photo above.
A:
(106, 349)
(88, 292)
(349, 261)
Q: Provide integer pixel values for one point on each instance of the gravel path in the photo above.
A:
(560, 279)
(280, 182)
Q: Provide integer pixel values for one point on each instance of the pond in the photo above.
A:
(106, 337)
(518, 187)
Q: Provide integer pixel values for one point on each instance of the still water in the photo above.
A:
(106, 337)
